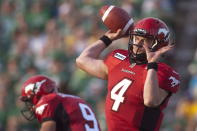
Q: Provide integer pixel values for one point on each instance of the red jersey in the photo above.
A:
(125, 109)
(69, 112)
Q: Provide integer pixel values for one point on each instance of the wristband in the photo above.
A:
(152, 65)
(106, 40)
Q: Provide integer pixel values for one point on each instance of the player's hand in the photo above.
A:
(155, 56)
(114, 35)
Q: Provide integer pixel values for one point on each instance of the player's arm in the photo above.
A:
(89, 59)
(153, 95)
(48, 126)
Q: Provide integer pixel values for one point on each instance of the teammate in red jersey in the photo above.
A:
(56, 111)
(139, 86)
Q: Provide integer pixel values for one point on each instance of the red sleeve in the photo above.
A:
(168, 78)
(46, 108)
(115, 57)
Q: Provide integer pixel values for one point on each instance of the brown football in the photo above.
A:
(115, 18)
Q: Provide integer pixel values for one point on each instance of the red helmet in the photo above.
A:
(151, 28)
(35, 87)
(32, 90)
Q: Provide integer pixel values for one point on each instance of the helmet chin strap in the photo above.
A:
(138, 58)
(154, 46)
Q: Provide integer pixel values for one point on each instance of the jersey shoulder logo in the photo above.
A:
(120, 56)
(40, 109)
(174, 81)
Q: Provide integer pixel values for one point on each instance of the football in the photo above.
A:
(115, 18)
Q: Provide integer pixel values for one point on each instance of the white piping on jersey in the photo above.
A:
(66, 95)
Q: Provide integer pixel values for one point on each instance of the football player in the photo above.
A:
(55, 111)
(139, 85)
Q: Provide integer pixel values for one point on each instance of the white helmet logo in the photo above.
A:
(30, 87)
(163, 30)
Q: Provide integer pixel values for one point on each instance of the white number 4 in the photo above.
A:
(118, 97)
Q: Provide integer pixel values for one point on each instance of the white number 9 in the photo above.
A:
(89, 116)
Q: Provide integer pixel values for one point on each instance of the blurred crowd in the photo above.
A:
(45, 37)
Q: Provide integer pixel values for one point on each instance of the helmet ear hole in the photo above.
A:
(38, 97)
(23, 98)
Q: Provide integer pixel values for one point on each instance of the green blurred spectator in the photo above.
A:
(37, 17)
